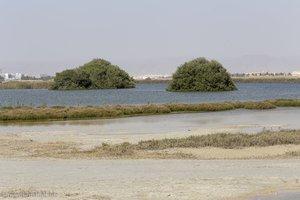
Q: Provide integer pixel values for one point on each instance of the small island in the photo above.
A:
(201, 75)
(97, 74)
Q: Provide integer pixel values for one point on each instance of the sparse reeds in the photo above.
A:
(293, 154)
(221, 140)
(114, 111)
(224, 140)
(282, 144)
(267, 79)
(285, 102)
(33, 84)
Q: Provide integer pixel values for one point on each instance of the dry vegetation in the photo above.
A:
(115, 111)
(267, 79)
(221, 140)
(264, 145)
(285, 102)
(189, 147)
(32, 84)
(224, 140)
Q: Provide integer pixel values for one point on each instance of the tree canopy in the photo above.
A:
(97, 74)
(201, 75)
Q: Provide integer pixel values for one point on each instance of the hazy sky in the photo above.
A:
(149, 36)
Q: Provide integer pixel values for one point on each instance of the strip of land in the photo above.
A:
(267, 79)
(264, 145)
(243, 79)
(39, 84)
(116, 111)
(26, 84)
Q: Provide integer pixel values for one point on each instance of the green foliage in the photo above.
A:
(201, 75)
(97, 74)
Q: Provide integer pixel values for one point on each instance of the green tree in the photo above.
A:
(97, 74)
(201, 75)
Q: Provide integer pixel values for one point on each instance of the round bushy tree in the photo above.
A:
(201, 75)
(97, 74)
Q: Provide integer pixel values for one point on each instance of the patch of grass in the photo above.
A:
(123, 149)
(271, 145)
(283, 79)
(285, 102)
(251, 105)
(26, 84)
(21, 113)
(293, 154)
(222, 140)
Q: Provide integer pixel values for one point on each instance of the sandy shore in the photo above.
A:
(145, 179)
(40, 169)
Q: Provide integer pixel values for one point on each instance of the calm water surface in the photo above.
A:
(147, 93)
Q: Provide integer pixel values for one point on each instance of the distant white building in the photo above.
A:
(12, 76)
(153, 77)
(296, 73)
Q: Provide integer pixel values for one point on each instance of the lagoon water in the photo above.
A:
(147, 93)
(241, 121)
